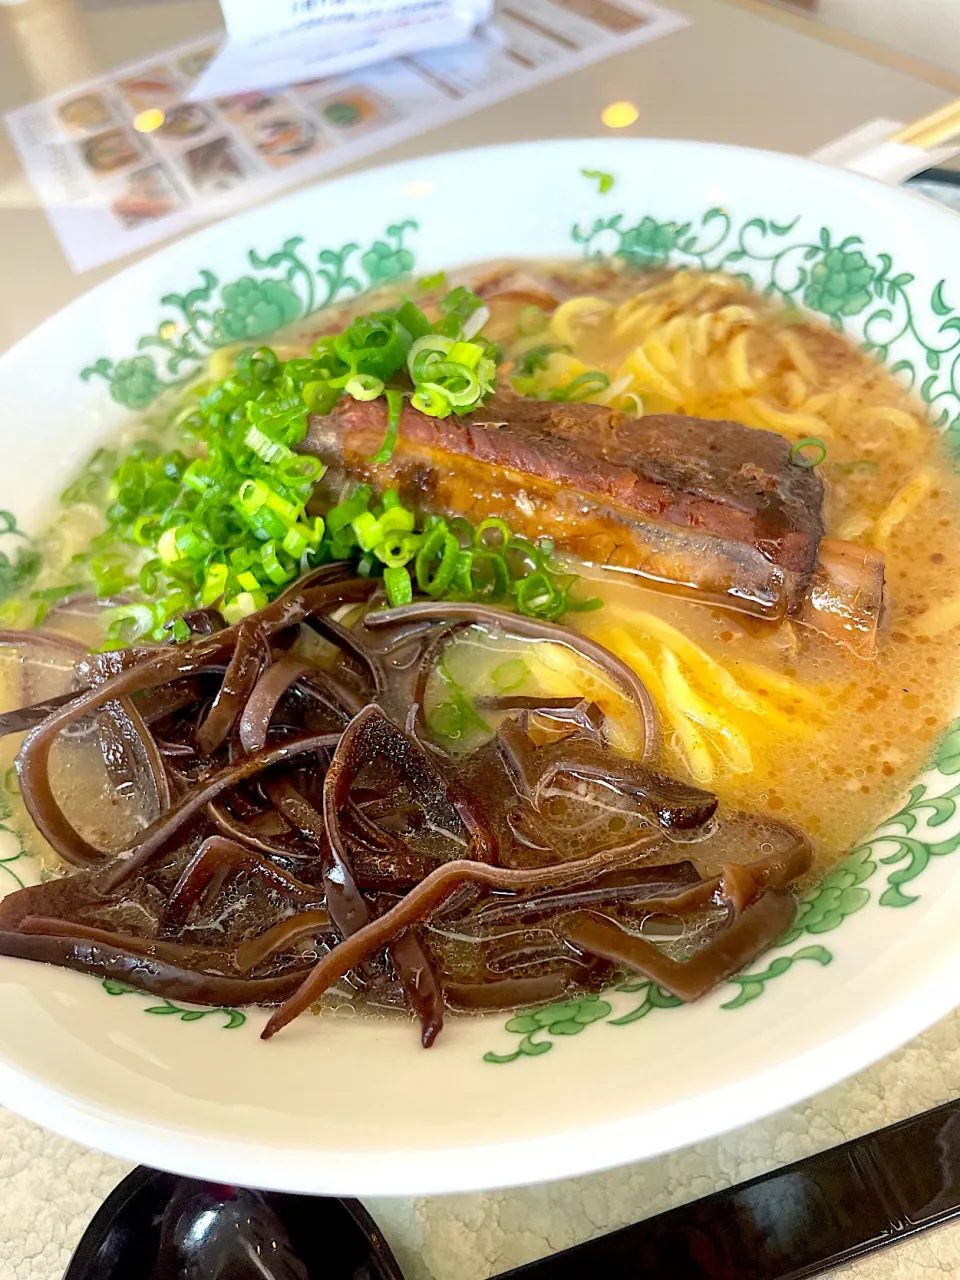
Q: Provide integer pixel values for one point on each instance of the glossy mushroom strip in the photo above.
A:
(751, 932)
(159, 977)
(304, 830)
(430, 894)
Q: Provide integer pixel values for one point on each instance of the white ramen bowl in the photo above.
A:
(354, 1105)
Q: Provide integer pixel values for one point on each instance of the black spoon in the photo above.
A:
(157, 1226)
(792, 1224)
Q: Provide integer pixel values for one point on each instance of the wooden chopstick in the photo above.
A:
(932, 130)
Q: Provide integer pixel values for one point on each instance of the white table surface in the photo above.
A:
(738, 74)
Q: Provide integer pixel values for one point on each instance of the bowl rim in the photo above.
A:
(569, 1151)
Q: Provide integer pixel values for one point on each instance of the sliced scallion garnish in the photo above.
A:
(808, 452)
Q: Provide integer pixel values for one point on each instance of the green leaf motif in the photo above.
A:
(839, 895)
(234, 1017)
(385, 261)
(836, 276)
(99, 369)
(135, 383)
(840, 284)
(917, 855)
(332, 271)
(937, 303)
(654, 997)
(22, 853)
(566, 1019)
(904, 366)
(649, 243)
(246, 310)
(252, 309)
(296, 268)
(947, 755)
(753, 985)
(114, 987)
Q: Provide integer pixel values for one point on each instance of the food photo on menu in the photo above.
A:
(479, 657)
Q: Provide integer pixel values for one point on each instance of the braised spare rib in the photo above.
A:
(708, 508)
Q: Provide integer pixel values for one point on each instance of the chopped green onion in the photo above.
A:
(446, 720)
(429, 283)
(242, 605)
(366, 530)
(431, 347)
(537, 358)
(320, 396)
(467, 354)
(49, 595)
(144, 531)
(129, 621)
(436, 561)
(375, 344)
(394, 409)
(458, 697)
(808, 452)
(510, 675)
(481, 575)
(260, 363)
(167, 546)
(214, 584)
(148, 579)
(272, 566)
(537, 597)
(397, 584)
(586, 384)
(583, 606)
(397, 519)
(339, 517)
(431, 400)
(364, 386)
(392, 551)
(865, 466)
(413, 320)
(462, 530)
(603, 180)
(299, 536)
(522, 558)
(254, 494)
(267, 450)
(531, 320)
(495, 527)
(458, 307)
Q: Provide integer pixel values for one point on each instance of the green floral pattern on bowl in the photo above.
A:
(250, 309)
(833, 276)
(846, 890)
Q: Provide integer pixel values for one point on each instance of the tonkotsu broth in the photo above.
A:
(834, 757)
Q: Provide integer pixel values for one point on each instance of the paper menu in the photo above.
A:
(273, 44)
(110, 188)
